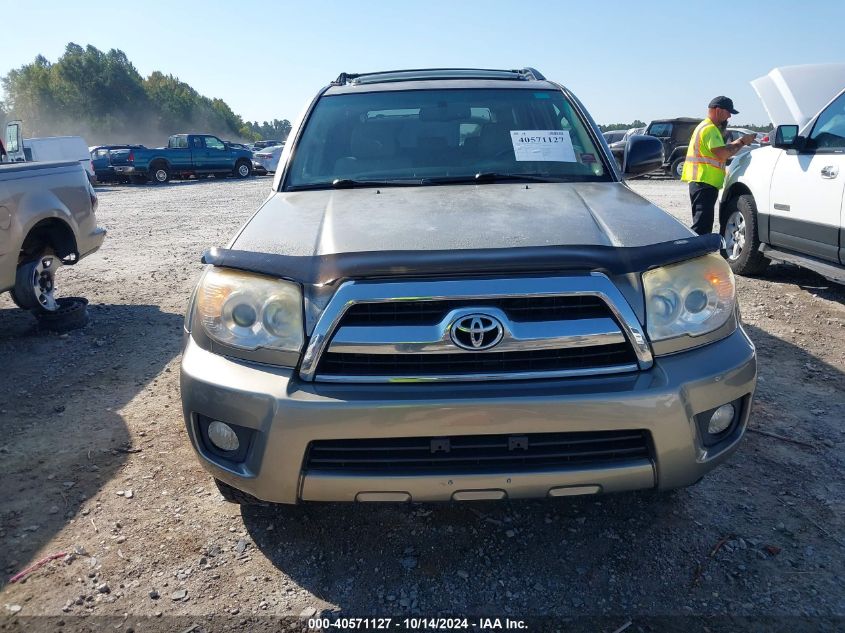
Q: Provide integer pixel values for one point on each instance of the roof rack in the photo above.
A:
(430, 74)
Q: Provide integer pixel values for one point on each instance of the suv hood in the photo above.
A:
(456, 217)
(792, 95)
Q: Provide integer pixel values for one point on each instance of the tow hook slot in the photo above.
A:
(441, 445)
(518, 443)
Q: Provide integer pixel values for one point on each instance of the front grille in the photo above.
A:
(477, 453)
(476, 362)
(525, 309)
(421, 330)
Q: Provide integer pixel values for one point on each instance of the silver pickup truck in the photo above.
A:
(452, 294)
(47, 220)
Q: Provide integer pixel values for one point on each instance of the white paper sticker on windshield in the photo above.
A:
(543, 145)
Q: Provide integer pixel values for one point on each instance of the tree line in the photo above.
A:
(102, 97)
(621, 126)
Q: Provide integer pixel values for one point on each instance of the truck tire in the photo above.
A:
(159, 173)
(677, 168)
(233, 495)
(243, 169)
(740, 232)
(35, 285)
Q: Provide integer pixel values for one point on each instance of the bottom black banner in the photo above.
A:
(485, 624)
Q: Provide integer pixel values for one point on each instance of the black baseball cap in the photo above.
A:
(723, 102)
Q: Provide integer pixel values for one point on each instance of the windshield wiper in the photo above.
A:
(349, 183)
(487, 177)
(492, 176)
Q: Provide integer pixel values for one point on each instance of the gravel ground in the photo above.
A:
(96, 464)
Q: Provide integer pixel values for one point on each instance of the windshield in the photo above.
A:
(434, 136)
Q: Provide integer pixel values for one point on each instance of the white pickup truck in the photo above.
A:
(47, 220)
(786, 202)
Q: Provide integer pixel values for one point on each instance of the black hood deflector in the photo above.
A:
(324, 269)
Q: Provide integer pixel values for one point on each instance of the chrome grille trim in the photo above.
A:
(522, 375)
(354, 292)
(434, 339)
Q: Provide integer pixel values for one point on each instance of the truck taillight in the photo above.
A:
(131, 156)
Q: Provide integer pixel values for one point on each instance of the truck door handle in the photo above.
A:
(829, 171)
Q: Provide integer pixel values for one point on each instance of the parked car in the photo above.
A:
(48, 148)
(733, 133)
(234, 145)
(259, 145)
(613, 136)
(267, 159)
(101, 161)
(186, 155)
(47, 220)
(784, 202)
(737, 132)
(765, 138)
(675, 135)
(452, 294)
(617, 148)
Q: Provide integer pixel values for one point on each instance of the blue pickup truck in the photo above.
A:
(186, 155)
(101, 156)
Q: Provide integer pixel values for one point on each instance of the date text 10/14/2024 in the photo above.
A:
(417, 624)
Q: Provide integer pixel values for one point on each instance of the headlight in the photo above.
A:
(690, 298)
(250, 311)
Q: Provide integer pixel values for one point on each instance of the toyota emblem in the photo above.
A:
(477, 332)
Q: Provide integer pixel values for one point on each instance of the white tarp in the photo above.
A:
(794, 94)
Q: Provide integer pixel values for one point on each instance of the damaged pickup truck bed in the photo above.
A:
(47, 220)
(453, 295)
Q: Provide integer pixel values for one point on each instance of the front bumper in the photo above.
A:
(287, 414)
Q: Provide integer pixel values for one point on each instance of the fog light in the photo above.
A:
(222, 436)
(721, 419)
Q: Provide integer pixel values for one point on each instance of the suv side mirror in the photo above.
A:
(786, 137)
(642, 155)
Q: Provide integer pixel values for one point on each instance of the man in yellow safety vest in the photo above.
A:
(704, 165)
